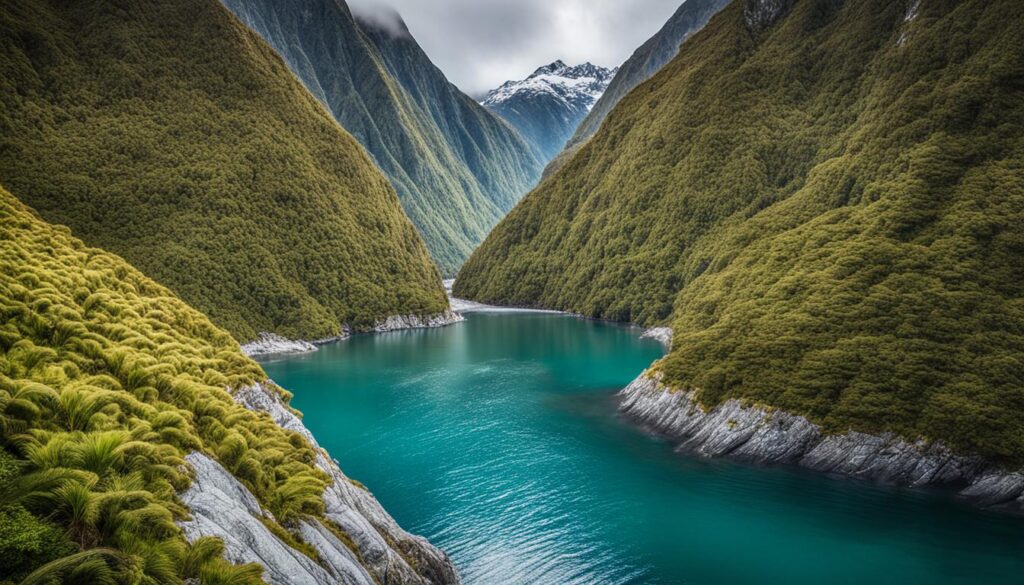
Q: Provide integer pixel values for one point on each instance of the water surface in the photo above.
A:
(498, 440)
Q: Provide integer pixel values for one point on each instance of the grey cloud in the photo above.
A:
(481, 43)
(382, 16)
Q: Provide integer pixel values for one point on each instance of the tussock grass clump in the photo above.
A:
(107, 380)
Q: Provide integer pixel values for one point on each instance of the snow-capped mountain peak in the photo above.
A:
(577, 86)
(547, 106)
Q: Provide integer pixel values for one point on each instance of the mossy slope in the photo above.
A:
(457, 168)
(170, 134)
(107, 380)
(826, 201)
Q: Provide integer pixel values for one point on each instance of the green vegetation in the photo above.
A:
(457, 168)
(168, 133)
(829, 211)
(690, 17)
(107, 381)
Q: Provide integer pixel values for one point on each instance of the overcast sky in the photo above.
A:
(479, 44)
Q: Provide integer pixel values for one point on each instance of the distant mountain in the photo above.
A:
(547, 106)
(457, 167)
(173, 136)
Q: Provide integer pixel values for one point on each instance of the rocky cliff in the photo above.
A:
(180, 141)
(759, 434)
(823, 199)
(159, 417)
(376, 550)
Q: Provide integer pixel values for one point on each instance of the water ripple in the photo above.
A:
(497, 439)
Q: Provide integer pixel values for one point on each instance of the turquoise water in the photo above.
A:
(498, 440)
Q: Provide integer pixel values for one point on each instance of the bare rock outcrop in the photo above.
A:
(221, 506)
(388, 552)
(761, 435)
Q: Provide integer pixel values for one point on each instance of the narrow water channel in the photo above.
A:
(498, 440)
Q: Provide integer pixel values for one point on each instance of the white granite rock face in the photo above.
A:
(221, 506)
(388, 552)
(760, 14)
(338, 559)
(662, 334)
(264, 398)
(994, 489)
(760, 435)
(269, 343)
(272, 344)
(397, 322)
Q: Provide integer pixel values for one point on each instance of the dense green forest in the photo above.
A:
(170, 134)
(827, 205)
(457, 168)
(107, 380)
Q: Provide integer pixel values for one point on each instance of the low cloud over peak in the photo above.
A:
(479, 44)
(379, 15)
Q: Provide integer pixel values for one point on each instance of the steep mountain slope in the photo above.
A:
(107, 382)
(647, 60)
(547, 106)
(170, 134)
(825, 200)
(457, 168)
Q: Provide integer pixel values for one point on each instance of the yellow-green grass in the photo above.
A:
(107, 380)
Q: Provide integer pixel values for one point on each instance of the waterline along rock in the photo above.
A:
(760, 435)
(391, 555)
(158, 419)
(398, 322)
(271, 344)
(662, 334)
(268, 217)
(221, 506)
(824, 200)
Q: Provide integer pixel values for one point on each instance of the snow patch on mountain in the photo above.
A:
(577, 86)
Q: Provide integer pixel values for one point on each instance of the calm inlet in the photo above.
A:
(498, 440)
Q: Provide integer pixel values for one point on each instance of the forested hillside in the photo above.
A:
(647, 60)
(168, 133)
(457, 168)
(825, 200)
(107, 381)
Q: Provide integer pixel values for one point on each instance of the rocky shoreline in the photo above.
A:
(467, 306)
(760, 435)
(273, 344)
(399, 322)
(380, 552)
(662, 334)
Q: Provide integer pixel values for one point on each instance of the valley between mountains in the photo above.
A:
(786, 233)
